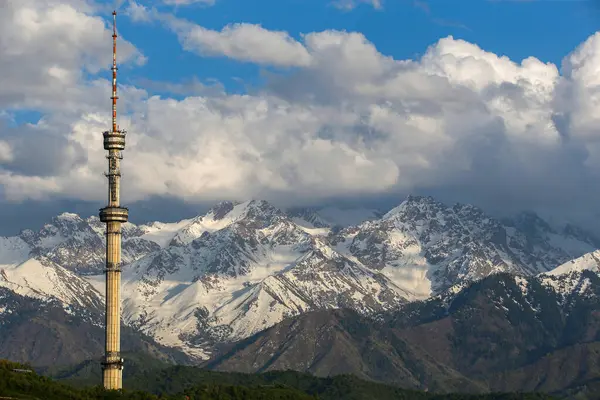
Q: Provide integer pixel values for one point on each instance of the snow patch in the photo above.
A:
(589, 261)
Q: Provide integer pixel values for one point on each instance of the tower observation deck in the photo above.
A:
(113, 215)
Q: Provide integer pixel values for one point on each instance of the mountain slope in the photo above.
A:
(242, 267)
(425, 247)
(328, 343)
(504, 321)
(194, 384)
(42, 278)
(320, 279)
(501, 333)
(79, 245)
(587, 262)
(44, 333)
(556, 372)
(257, 269)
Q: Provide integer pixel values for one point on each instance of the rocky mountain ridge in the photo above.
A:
(243, 267)
(504, 332)
(46, 333)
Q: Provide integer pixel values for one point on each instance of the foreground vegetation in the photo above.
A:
(17, 383)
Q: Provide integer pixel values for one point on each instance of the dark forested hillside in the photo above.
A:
(179, 383)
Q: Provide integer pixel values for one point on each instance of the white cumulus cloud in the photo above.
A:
(46, 46)
(241, 41)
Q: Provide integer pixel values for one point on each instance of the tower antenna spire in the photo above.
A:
(114, 74)
(113, 215)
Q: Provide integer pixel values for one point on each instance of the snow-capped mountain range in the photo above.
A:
(243, 267)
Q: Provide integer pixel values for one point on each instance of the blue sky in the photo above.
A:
(403, 29)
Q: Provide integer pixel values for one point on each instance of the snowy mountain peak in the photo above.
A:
(252, 210)
(66, 223)
(415, 206)
(258, 211)
(69, 217)
(255, 213)
(426, 247)
(425, 209)
(56, 232)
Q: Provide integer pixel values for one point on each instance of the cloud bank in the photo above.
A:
(344, 121)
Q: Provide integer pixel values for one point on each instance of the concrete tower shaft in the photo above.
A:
(113, 215)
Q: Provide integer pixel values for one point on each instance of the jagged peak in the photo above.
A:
(69, 216)
(414, 203)
(256, 212)
(426, 211)
(66, 220)
(468, 210)
(240, 217)
(261, 206)
(234, 210)
(419, 199)
(57, 230)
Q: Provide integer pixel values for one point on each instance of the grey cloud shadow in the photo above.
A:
(40, 152)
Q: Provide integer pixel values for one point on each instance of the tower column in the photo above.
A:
(113, 365)
(113, 215)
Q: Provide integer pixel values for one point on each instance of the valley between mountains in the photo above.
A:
(425, 295)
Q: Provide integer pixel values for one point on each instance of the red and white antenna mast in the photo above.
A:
(114, 74)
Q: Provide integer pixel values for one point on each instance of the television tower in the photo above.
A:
(113, 215)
